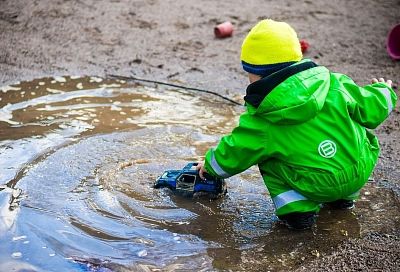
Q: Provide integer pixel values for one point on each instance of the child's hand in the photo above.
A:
(201, 169)
(381, 79)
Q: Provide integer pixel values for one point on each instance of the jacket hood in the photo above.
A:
(292, 95)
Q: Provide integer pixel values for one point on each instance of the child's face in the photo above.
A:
(253, 77)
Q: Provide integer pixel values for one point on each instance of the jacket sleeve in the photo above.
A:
(236, 152)
(370, 105)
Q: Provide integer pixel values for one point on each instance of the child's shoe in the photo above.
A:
(298, 220)
(341, 204)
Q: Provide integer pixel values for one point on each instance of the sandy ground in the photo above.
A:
(172, 40)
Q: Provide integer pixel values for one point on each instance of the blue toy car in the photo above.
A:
(188, 182)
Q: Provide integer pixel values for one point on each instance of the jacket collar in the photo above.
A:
(257, 91)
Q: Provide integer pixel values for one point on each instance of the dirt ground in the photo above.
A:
(172, 40)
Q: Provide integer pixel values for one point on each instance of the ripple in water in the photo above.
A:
(78, 159)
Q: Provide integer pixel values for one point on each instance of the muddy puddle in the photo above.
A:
(78, 157)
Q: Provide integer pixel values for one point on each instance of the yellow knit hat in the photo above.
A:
(270, 42)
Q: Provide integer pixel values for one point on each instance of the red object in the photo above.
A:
(304, 46)
(223, 30)
(393, 42)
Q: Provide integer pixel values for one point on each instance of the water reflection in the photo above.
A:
(78, 159)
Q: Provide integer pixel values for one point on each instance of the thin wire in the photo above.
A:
(131, 78)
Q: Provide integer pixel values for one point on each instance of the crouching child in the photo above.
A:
(308, 129)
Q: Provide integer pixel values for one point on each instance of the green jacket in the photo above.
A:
(304, 120)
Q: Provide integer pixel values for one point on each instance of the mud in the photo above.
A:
(173, 41)
(79, 157)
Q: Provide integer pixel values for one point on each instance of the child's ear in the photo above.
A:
(253, 77)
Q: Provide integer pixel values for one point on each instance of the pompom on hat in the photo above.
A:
(269, 45)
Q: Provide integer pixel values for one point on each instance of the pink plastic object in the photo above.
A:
(393, 43)
(223, 30)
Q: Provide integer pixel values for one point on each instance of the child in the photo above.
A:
(305, 127)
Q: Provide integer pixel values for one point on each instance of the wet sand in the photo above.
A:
(173, 41)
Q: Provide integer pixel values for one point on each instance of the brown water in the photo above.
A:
(78, 157)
